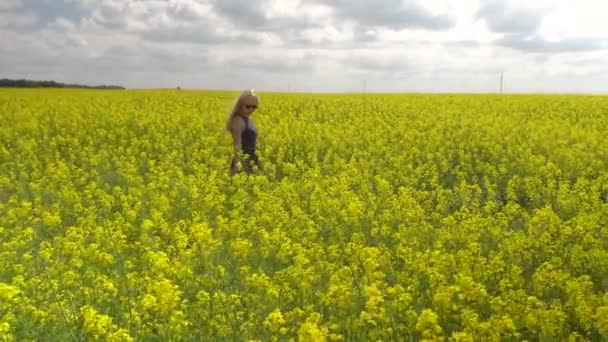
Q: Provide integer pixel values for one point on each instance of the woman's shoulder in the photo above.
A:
(237, 121)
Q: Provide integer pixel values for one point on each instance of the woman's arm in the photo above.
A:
(237, 125)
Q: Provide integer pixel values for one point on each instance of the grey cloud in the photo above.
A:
(251, 16)
(374, 63)
(21, 47)
(193, 34)
(464, 43)
(241, 13)
(17, 21)
(365, 34)
(62, 41)
(519, 27)
(184, 21)
(114, 14)
(539, 45)
(111, 15)
(296, 41)
(366, 38)
(362, 37)
(502, 18)
(273, 64)
(10, 4)
(62, 24)
(391, 14)
(76, 41)
(48, 11)
(187, 10)
(116, 60)
(470, 69)
(145, 58)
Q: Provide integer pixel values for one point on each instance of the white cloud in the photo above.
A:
(583, 18)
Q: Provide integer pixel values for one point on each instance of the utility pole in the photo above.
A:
(501, 80)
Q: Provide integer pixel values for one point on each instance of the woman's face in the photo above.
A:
(250, 104)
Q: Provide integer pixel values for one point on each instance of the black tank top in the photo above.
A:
(249, 136)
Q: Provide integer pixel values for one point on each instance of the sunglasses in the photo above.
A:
(251, 106)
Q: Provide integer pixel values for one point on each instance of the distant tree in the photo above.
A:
(23, 83)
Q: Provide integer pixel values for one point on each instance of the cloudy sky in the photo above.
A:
(310, 45)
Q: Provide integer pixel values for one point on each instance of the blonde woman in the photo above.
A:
(244, 133)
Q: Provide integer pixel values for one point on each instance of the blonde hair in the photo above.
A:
(238, 105)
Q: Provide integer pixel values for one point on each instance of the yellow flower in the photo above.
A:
(120, 335)
(428, 324)
(310, 331)
(601, 320)
(241, 247)
(50, 219)
(8, 292)
(5, 329)
(461, 336)
(274, 321)
(96, 324)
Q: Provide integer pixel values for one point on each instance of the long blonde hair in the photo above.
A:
(238, 105)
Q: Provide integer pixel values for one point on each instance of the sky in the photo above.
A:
(547, 46)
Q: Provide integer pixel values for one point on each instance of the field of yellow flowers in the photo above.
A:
(376, 217)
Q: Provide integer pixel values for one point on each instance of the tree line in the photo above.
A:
(23, 83)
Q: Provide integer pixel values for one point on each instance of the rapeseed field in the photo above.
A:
(376, 217)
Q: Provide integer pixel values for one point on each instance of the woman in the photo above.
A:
(244, 133)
